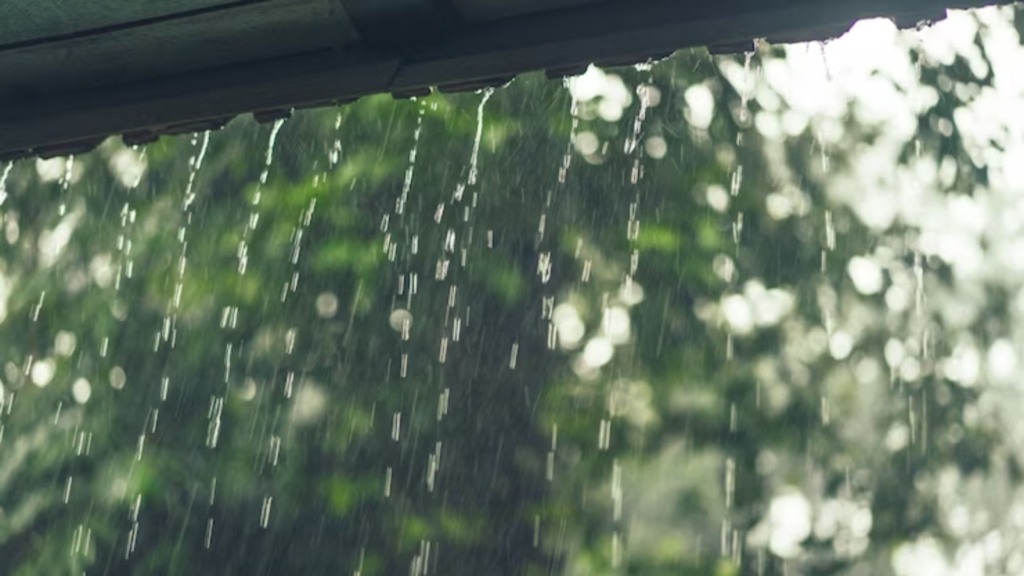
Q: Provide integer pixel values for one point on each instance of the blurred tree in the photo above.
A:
(641, 322)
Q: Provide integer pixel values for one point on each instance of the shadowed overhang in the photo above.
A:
(73, 73)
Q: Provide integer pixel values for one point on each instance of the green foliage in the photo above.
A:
(299, 376)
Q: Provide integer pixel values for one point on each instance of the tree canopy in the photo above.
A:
(726, 315)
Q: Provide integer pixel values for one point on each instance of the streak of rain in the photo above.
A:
(630, 322)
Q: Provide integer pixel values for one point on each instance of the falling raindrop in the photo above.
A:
(473, 159)
(4, 174)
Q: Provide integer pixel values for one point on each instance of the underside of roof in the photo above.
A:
(73, 73)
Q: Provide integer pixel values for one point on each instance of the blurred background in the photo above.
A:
(715, 315)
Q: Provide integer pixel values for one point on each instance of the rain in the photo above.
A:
(748, 313)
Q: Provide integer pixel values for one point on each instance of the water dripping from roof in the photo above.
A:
(473, 159)
(4, 174)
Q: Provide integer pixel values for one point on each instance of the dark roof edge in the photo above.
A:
(561, 42)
